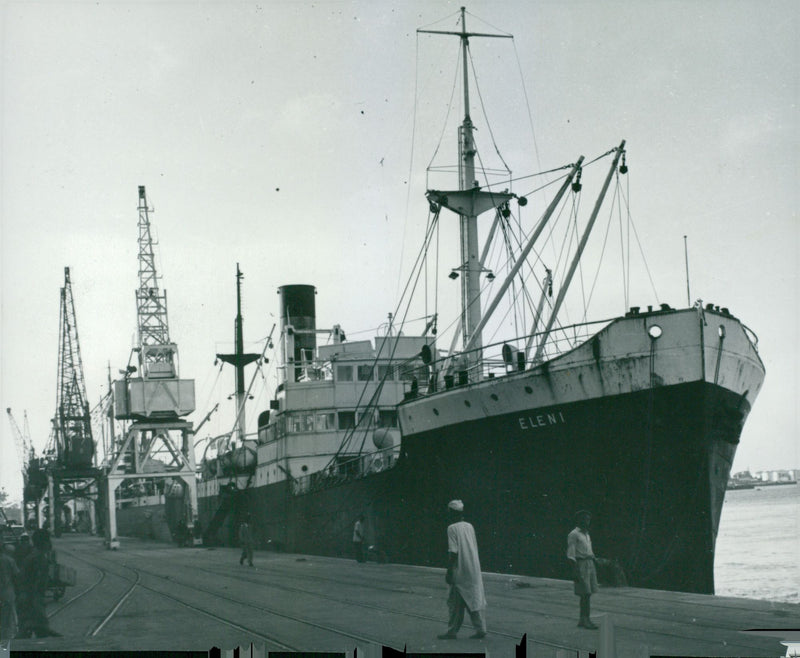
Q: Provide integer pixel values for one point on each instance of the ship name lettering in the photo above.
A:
(541, 420)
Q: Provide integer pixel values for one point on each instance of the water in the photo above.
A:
(758, 545)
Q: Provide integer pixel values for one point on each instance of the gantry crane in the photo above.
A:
(34, 478)
(157, 445)
(71, 468)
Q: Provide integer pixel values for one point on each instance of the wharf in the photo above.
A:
(151, 596)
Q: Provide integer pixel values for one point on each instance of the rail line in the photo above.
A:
(260, 635)
(568, 610)
(66, 603)
(117, 606)
(568, 614)
(342, 600)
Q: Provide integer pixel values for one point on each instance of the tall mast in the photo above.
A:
(470, 281)
(239, 359)
(469, 205)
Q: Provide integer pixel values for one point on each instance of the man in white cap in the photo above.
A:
(463, 575)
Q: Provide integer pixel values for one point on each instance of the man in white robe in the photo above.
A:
(463, 575)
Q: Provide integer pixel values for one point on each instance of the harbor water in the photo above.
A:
(758, 545)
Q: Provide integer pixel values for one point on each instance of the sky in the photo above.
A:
(292, 138)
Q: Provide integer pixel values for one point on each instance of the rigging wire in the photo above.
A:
(447, 115)
(614, 205)
(576, 205)
(485, 114)
(407, 295)
(644, 260)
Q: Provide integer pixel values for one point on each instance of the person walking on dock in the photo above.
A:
(463, 575)
(246, 540)
(358, 539)
(9, 575)
(581, 556)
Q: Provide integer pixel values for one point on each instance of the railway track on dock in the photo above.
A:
(272, 641)
(552, 610)
(284, 606)
(274, 579)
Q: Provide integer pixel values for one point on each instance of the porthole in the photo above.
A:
(436, 412)
(654, 331)
(528, 390)
(494, 397)
(467, 403)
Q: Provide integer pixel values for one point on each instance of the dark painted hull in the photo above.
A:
(652, 466)
(639, 428)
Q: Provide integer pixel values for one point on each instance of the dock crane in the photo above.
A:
(34, 478)
(157, 445)
(71, 470)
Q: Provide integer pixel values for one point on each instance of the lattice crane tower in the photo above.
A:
(157, 354)
(73, 424)
(157, 444)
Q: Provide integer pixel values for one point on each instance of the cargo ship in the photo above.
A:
(635, 418)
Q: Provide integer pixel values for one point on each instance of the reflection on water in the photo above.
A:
(758, 546)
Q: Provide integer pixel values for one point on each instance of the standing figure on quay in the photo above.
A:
(246, 540)
(463, 575)
(580, 554)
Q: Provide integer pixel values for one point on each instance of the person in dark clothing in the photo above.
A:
(181, 533)
(9, 576)
(246, 540)
(35, 576)
(24, 548)
(358, 540)
(582, 559)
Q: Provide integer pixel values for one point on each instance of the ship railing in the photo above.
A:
(347, 470)
(751, 336)
(502, 357)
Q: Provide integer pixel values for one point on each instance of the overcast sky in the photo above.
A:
(279, 135)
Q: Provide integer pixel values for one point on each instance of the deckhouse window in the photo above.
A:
(347, 420)
(387, 418)
(385, 373)
(365, 373)
(344, 373)
(296, 423)
(326, 421)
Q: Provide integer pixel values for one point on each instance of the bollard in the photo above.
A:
(607, 647)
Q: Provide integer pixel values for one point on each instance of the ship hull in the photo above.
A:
(645, 442)
(655, 488)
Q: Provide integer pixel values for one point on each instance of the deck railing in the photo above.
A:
(346, 470)
(502, 358)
